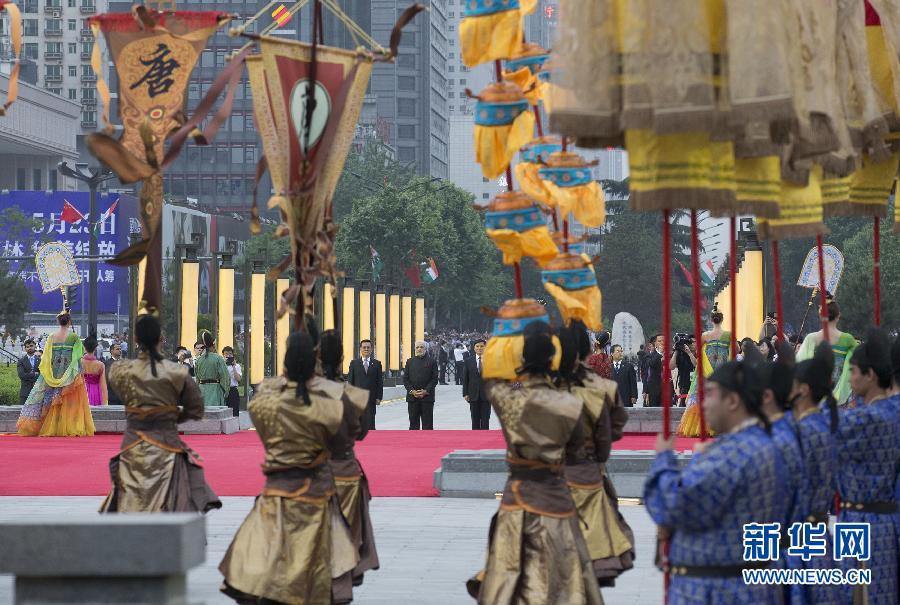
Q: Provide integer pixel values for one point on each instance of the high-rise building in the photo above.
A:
(57, 41)
(411, 92)
(220, 175)
(464, 171)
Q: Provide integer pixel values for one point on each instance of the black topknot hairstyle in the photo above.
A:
(742, 378)
(778, 376)
(875, 354)
(817, 374)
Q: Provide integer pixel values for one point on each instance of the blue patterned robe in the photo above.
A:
(787, 440)
(816, 494)
(867, 472)
(739, 479)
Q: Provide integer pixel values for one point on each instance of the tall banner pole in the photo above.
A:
(698, 322)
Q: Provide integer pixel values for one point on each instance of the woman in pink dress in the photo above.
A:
(94, 373)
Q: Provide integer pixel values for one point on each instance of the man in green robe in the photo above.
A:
(211, 373)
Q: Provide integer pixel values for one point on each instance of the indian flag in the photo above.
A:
(429, 271)
(281, 15)
(377, 264)
(707, 273)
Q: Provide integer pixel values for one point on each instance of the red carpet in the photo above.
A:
(398, 463)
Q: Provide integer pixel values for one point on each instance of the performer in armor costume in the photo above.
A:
(716, 350)
(867, 467)
(349, 479)
(778, 382)
(155, 471)
(736, 479)
(536, 551)
(294, 542)
(609, 539)
(815, 418)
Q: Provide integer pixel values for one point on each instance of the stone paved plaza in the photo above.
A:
(428, 547)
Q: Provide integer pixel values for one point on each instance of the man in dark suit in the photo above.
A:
(115, 355)
(366, 373)
(625, 376)
(653, 376)
(420, 377)
(473, 389)
(28, 370)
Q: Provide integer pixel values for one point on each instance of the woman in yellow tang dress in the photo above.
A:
(610, 540)
(536, 550)
(716, 351)
(294, 542)
(58, 403)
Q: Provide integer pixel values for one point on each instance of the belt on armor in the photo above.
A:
(880, 508)
(210, 381)
(348, 455)
(532, 470)
(715, 571)
(152, 424)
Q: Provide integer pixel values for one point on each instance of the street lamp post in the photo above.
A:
(94, 178)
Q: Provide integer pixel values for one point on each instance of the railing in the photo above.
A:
(87, 124)
(53, 32)
(85, 56)
(53, 78)
(53, 56)
(88, 9)
(89, 102)
(88, 77)
(86, 34)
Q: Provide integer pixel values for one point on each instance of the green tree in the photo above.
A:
(436, 221)
(630, 265)
(15, 297)
(793, 254)
(855, 294)
(366, 172)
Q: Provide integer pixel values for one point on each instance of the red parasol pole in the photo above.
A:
(666, 327)
(698, 322)
(666, 319)
(732, 276)
(823, 312)
(876, 237)
(776, 270)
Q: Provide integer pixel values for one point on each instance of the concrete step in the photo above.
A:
(482, 473)
(111, 419)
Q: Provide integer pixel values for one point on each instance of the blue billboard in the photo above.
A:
(46, 208)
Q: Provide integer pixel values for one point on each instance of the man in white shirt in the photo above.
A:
(459, 359)
(233, 399)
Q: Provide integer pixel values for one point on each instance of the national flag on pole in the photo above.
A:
(377, 264)
(70, 213)
(687, 274)
(109, 211)
(707, 273)
(281, 16)
(412, 273)
(104, 216)
(704, 305)
(429, 271)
